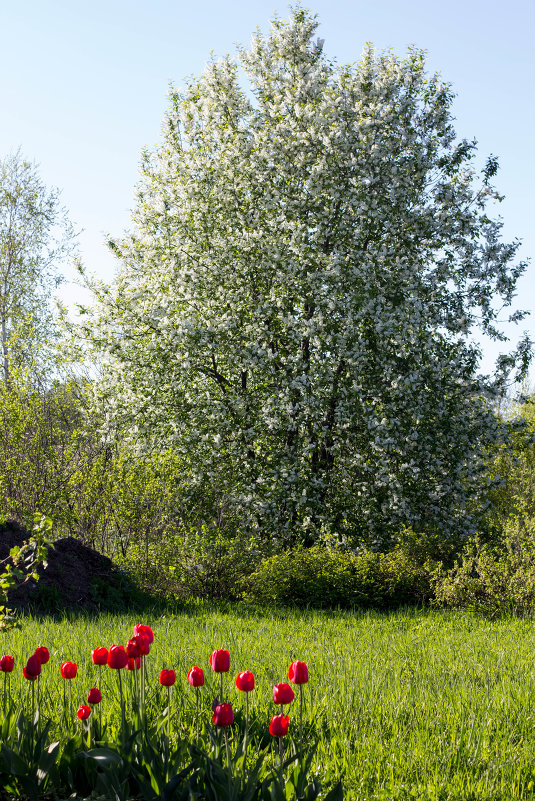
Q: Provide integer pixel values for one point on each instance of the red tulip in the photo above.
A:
(167, 678)
(279, 725)
(220, 661)
(32, 669)
(42, 654)
(223, 715)
(140, 628)
(133, 648)
(99, 656)
(6, 663)
(141, 643)
(298, 673)
(283, 694)
(134, 663)
(196, 676)
(245, 681)
(84, 712)
(94, 696)
(117, 657)
(69, 670)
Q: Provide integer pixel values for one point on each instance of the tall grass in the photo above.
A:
(428, 705)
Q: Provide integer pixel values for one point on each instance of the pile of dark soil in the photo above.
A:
(77, 577)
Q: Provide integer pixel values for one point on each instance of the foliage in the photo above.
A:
(40, 446)
(494, 579)
(130, 507)
(52, 456)
(293, 312)
(35, 236)
(513, 468)
(187, 562)
(329, 577)
(22, 565)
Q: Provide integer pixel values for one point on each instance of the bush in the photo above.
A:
(194, 562)
(493, 579)
(326, 577)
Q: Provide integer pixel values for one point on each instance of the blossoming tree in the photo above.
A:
(309, 255)
(36, 236)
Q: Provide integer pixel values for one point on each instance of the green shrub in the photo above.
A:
(327, 577)
(493, 579)
(188, 562)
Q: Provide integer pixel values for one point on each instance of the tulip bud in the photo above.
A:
(223, 715)
(245, 681)
(42, 653)
(99, 656)
(83, 712)
(140, 628)
(167, 678)
(298, 673)
(196, 676)
(94, 696)
(68, 670)
(32, 669)
(133, 648)
(220, 661)
(117, 657)
(283, 694)
(6, 663)
(279, 725)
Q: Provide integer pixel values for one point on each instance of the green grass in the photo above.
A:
(427, 705)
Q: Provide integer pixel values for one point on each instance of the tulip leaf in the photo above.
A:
(104, 756)
(336, 793)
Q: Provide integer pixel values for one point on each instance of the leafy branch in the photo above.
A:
(22, 565)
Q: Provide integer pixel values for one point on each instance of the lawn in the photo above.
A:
(411, 704)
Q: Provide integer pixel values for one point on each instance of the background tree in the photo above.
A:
(35, 235)
(292, 316)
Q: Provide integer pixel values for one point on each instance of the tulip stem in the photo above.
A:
(142, 689)
(280, 753)
(221, 693)
(135, 702)
(99, 730)
(168, 733)
(246, 735)
(5, 692)
(169, 713)
(71, 711)
(301, 724)
(229, 764)
(197, 713)
(65, 702)
(123, 721)
(38, 700)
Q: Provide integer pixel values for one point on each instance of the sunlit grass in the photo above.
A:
(426, 705)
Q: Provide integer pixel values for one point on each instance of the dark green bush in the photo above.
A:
(330, 577)
(494, 579)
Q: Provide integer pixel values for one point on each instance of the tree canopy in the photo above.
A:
(35, 235)
(311, 250)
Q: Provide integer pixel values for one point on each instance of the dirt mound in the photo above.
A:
(76, 576)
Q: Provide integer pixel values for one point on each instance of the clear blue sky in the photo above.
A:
(83, 88)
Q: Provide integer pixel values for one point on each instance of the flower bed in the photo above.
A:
(161, 743)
